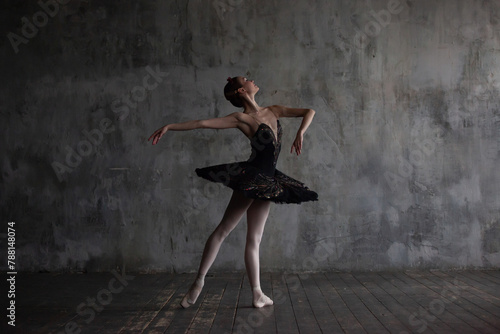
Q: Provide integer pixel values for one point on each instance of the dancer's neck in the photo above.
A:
(251, 107)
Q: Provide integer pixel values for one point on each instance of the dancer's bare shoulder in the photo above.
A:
(275, 110)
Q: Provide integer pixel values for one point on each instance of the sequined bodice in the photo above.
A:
(265, 148)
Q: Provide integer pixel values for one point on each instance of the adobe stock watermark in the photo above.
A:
(256, 317)
(87, 309)
(226, 6)
(30, 28)
(379, 20)
(94, 137)
(419, 321)
(466, 115)
(424, 148)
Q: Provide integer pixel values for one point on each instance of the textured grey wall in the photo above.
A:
(403, 150)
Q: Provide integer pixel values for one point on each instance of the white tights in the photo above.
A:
(257, 212)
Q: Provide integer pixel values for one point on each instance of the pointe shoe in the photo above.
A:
(263, 301)
(187, 300)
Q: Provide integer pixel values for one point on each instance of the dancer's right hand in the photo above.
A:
(156, 136)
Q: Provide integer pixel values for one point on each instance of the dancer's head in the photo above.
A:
(238, 89)
(231, 91)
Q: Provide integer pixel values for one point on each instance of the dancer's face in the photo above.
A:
(249, 85)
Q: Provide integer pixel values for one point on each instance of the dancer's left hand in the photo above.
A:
(297, 144)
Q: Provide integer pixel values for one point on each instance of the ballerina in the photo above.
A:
(255, 182)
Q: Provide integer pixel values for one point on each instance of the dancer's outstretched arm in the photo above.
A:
(306, 114)
(226, 122)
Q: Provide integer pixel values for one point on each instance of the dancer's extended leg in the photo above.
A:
(234, 211)
(256, 220)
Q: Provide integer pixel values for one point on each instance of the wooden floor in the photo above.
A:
(384, 302)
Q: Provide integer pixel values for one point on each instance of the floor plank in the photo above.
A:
(373, 282)
(486, 275)
(250, 319)
(346, 319)
(226, 314)
(371, 302)
(478, 303)
(493, 273)
(414, 298)
(305, 318)
(143, 318)
(203, 320)
(171, 306)
(350, 296)
(284, 315)
(437, 306)
(478, 282)
(379, 311)
(325, 317)
(267, 313)
(182, 318)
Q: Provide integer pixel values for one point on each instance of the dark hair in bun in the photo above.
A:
(231, 92)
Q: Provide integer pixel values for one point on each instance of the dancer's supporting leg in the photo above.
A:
(256, 220)
(234, 211)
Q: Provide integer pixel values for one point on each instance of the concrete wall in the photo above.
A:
(403, 151)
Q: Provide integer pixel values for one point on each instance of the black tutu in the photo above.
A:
(258, 177)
